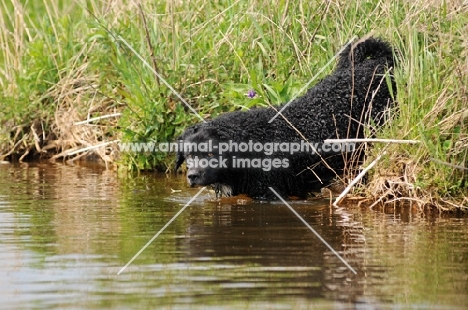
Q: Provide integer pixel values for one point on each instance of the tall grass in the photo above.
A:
(64, 62)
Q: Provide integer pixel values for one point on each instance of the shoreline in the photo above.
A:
(75, 80)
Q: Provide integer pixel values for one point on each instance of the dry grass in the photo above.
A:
(77, 100)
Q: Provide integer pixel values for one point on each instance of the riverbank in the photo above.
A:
(73, 85)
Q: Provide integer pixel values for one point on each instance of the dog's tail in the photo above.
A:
(366, 49)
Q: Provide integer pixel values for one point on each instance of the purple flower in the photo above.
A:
(251, 93)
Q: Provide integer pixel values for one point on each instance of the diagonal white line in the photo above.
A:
(313, 230)
(161, 230)
(311, 80)
(161, 78)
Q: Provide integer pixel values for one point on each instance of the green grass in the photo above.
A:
(63, 62)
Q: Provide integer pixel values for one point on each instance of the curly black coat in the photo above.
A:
(339, 106)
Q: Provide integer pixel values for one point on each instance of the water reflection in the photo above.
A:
(66, 231)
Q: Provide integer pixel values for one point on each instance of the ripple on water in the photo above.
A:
(66, 231)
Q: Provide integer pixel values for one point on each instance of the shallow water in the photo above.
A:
(65, 233)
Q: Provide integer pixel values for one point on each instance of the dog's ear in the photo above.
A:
(180, 158)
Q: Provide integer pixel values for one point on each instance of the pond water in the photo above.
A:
(66, 232)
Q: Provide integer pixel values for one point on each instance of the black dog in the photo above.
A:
(248, 153)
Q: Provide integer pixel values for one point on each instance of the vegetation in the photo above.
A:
(63, 63)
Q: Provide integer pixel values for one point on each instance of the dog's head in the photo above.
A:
(198, 148)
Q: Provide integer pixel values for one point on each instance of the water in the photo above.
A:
(65, 232)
